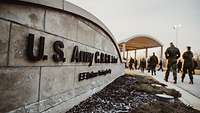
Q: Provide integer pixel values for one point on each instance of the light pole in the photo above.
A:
(176, 27)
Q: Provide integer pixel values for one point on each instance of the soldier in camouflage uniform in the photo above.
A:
(131, 63)
(188, 64)
(172, 54)
(153, 63)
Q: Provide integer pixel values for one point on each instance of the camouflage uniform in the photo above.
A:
(142, 64)
(179, 66)
(153, 63)
(188, 65)
(195, 66)
(131, 63)
(172, 54)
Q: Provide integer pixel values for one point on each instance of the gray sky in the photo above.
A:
(125, 18)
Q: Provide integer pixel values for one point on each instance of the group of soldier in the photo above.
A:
(172, 53)
(151, 64)
(134, 63)
(131, 62)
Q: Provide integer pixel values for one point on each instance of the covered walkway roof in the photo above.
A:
(139, 42)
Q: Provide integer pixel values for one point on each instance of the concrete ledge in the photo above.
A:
(51, 3)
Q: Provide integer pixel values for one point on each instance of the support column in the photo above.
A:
(161, 52)
(127, 54)
(127, 58)
(146, 53)
(123, 49)
(135, 53)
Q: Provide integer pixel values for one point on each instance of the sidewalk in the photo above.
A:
(190, 93)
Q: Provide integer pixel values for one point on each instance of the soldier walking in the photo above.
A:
(131, 63)
(161, 66)
(136, 64)
(172, 54)
(195, 66)
(153, 63)
(179, 66)
(188, 64)
(148, 65)
(142, 64)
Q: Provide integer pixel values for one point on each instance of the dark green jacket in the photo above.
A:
(187, 56)
(172, 54)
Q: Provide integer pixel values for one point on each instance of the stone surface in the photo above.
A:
(80, 69)
(56, 80)
(68, 50)
(81, 47)
(19, 110)
(4, 38)
(52, 3)
(55, 100)
(61, 24)
(18, 86)
(98, 41)
(85, 34)
(18, 45)
(63, 107)
(85, 85)
(82, 89)
(111, 48)
(26, 15)
(32, 108)
(105, 45)
(83, 13)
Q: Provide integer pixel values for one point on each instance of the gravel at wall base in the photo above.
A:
(127, 95)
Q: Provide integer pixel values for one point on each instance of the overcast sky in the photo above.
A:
(125, 18)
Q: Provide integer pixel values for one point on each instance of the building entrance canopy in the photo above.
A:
(139, 42)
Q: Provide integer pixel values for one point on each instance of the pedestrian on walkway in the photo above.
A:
(179, 64)
(172, 54)
(135, 63)
(161, 66)
(142, 64)
(195, 66)
(131, 63)
(153, 63)
(188, 64)
(148, 65)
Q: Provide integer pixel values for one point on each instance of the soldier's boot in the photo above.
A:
(191, 82)
(182, 80)
(175, 77)
(175, 80)
(182, 77)
(174, 74)
(191, 78)
(166, 76)
(152, 72)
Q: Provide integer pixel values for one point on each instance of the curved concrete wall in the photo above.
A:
(45, 85)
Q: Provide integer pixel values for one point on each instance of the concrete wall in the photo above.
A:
(47, 86)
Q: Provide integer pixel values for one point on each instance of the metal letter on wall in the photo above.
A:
(60, 54)
(30, 46)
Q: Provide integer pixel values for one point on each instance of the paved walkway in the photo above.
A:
(190, 93)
